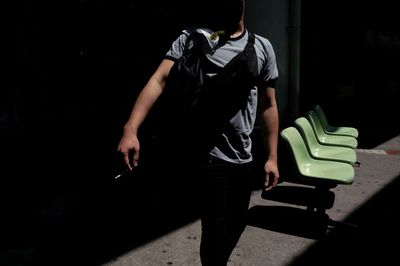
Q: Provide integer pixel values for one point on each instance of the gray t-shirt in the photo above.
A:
(236, 145)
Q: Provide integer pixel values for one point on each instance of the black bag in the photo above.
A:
(194, 108)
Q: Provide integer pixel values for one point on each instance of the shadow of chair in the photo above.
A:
(324, 152)
(334, 130)
(329, 139)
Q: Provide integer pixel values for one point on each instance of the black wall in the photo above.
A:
(350, 65)
(72, 73)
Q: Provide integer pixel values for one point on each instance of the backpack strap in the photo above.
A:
(243, 62)
(251, 39)
(195, 43)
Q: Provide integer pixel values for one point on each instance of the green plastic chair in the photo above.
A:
(334, 130)
(329, 139)
(324, 152)
(315, 170)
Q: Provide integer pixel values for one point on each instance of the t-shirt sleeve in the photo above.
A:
(269, 70)
(176, 49)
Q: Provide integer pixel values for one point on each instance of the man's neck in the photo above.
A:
(239, 31)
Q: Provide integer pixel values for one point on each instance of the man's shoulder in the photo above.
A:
(263, 45)
(262, 41)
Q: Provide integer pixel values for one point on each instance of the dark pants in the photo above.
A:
(225, 195)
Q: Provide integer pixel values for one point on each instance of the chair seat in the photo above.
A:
(345, 131)
(335, 140)
(341, 173)
(341, 154)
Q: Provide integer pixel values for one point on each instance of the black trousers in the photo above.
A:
(225, 195)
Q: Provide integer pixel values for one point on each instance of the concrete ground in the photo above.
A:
(116, 224)
(363, 225)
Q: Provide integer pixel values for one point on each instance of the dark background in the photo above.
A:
(350, 65)
(72, 72)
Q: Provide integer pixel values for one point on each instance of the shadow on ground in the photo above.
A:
(93, 227)
(368, 235)
(81, 215)
(373, 241)
(300, 217)
(61, 206)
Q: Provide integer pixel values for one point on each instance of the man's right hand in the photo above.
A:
(129, 146)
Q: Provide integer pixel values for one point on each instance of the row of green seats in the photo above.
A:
(322, 153)
(324, 156)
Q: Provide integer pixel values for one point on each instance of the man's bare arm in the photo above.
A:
(270, 118)
(148, 96)
(129, 142)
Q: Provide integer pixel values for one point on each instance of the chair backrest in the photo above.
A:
(321, 114)
(334, 130)
(329, 139)
(315, 123)
(296, 144)
(307, 132)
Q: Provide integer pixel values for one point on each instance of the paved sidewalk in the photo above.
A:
(363, 222)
